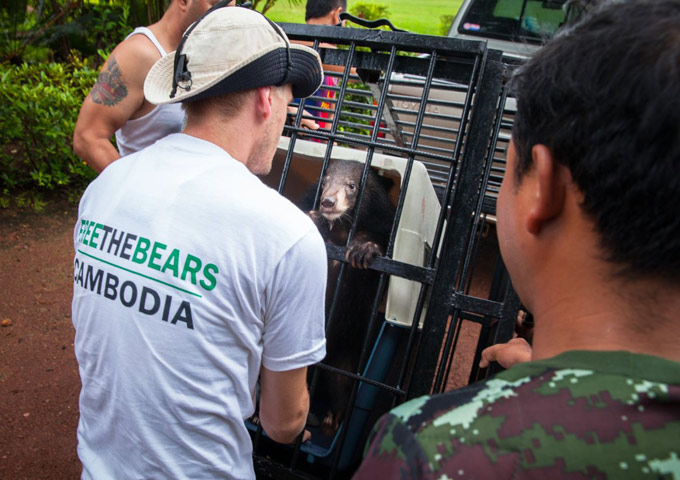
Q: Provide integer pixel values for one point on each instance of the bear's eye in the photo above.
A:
(323, 182)
(352, 186)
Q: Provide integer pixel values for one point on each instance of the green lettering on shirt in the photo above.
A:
(208, 272)
(192, 265)
(139, 256)
(155, 255)
(172, 263)
(95, 234)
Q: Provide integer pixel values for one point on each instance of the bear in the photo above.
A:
(350, 300)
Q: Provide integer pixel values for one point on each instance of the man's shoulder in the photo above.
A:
(136, 51)
(281, 214)
(527, 391)
(224, 179)
(140, 44)
(539, 417)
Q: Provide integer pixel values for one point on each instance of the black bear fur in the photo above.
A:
(347, 326)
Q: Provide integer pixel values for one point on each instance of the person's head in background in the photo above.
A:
(600, 127)
(324, 12)
(193, 9)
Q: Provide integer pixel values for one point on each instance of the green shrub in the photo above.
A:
(39, 105)
(43, 82)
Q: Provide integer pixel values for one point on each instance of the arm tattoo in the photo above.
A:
(110, 88)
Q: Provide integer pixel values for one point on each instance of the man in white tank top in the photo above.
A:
(116, 103)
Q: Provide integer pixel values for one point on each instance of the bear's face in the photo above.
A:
(340, 187)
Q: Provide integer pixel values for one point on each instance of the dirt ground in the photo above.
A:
(39, 381)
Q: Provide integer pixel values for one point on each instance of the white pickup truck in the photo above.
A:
(516, 27)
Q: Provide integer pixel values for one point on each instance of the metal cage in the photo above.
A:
(430, 113)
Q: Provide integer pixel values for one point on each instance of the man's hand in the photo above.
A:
(508, 354)
(304, 122)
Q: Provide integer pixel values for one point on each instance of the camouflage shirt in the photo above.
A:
(597, 415)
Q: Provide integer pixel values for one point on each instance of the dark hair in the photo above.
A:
(604, 97)
(320, 8)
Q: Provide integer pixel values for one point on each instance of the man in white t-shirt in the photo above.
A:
(192, 278)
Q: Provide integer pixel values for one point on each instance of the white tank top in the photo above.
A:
(159, 122)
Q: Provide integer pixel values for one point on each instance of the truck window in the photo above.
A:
(532, 21)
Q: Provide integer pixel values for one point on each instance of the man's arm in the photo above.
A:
(293, 336)
(284, 403)
(116, 97)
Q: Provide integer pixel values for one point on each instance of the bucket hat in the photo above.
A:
(230, 50)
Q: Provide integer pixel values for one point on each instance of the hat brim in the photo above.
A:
(305, 75)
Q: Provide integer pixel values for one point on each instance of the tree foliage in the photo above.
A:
(50, 53)
(38, 30)
(264, 5)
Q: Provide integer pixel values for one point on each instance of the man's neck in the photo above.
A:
(168, 30)
(325, 20)
(234, 137)
(636, 316)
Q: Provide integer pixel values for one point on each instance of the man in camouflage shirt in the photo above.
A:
(589, 229)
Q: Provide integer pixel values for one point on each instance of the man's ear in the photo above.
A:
(550, 187)
(183, 5)
(264, 102)
(336, 15)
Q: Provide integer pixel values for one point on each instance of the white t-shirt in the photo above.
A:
(190, 274)
(163, 120)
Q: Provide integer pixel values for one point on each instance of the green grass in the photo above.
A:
(422, 16)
